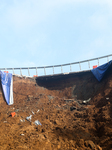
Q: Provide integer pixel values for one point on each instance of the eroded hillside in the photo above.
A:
(71, 120)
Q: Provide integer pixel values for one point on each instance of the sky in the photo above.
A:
(35, 33)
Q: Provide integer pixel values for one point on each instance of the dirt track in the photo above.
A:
(67, 123)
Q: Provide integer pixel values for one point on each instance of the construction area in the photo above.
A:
(66, 112)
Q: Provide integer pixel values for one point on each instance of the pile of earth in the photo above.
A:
(67, 123)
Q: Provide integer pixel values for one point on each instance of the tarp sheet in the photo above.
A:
(7, 86)
(100, 71)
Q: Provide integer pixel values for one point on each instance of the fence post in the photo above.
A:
(80, 65)
(89, 64)
(70, 68)
(53, 70)
(98, 61)
(28, 72)
(13, 71)
(36, 71)
(44, 71)
(61, 69)
(20, 72)
(107, 59)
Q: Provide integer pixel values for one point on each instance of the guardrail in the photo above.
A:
(61, 66)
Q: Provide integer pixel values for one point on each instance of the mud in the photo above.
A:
(68, 122)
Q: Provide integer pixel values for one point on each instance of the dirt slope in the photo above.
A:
(68, 123)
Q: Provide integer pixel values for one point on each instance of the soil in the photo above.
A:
(67, 122)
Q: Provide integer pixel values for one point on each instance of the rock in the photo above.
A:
(30, 97)
(81, 143)
(86, 101)
(41, 137)
(16, 110)
(5, 121)
(50, 97)
(90, 144)
(21, 120)
(72, 142)
(59, 146)
(72, 108)
(57, 122)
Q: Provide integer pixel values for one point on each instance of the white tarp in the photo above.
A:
(7, 86)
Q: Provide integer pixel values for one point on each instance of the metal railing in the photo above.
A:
(61, 66)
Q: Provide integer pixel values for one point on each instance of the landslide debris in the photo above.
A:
(67, 123)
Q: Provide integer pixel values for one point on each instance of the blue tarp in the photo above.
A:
(6, 81)
(100, 71)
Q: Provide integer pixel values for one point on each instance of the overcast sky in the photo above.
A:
(52, 32)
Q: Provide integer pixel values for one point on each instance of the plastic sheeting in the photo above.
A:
(7, 86)
(100, 71)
